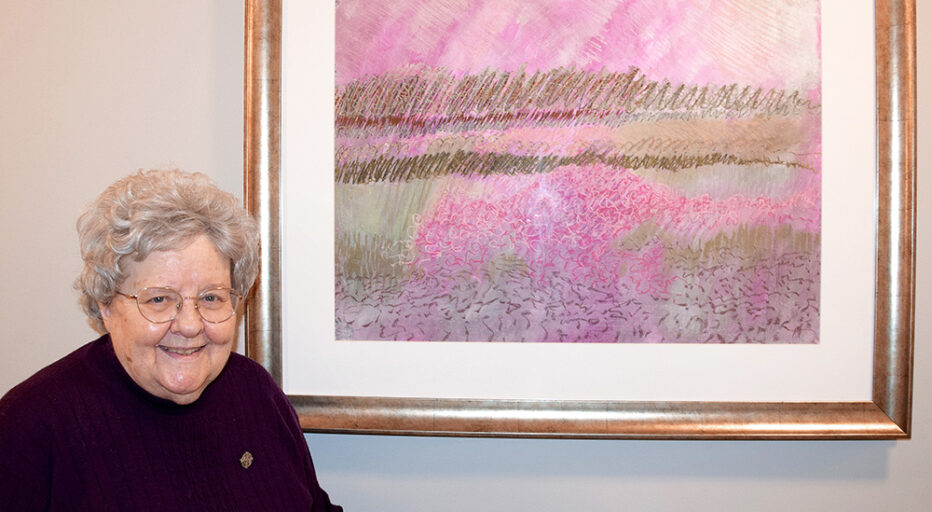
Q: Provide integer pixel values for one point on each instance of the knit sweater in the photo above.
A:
(82, 435)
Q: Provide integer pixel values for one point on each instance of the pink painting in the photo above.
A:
(603, 171)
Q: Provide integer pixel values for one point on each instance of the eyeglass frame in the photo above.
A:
(233, 293)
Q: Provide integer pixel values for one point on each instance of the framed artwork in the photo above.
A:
(593, 201)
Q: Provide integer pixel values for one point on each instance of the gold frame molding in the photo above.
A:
(886, 416)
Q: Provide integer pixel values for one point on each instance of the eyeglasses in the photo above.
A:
(161, 305)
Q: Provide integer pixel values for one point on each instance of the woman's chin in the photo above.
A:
(183, 396)
(184, 387)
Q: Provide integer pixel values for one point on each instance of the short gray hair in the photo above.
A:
(159, 210)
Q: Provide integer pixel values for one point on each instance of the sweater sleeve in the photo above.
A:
(321, 499)
(25, 463)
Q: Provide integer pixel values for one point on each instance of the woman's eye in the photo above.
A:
(158, 298)
(212, 298)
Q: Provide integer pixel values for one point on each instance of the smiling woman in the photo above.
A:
(159, 401)
(176, 359)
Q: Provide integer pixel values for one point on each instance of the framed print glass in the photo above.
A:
(582, 219)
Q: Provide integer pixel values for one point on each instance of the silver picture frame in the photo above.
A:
(885, 416)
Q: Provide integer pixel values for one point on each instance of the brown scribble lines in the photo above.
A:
(414, 104)
(390, 169)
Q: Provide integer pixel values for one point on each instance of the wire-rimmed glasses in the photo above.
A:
(161, 305)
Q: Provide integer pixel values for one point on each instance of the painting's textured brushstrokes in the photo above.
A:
(578, 170)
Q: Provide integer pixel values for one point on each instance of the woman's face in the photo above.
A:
(174, 360)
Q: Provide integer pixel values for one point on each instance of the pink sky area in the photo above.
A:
(760, 43)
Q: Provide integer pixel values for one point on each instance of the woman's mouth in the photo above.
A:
(181, 351)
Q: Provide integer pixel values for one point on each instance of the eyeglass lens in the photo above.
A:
(161, 305)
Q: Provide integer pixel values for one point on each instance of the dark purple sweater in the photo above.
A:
(81, 435)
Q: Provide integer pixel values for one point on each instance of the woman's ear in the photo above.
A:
(104, 311)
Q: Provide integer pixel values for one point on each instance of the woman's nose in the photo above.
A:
(188, 321)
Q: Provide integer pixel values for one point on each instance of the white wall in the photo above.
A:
(92, 89)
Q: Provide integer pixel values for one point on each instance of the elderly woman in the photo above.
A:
(158, 414)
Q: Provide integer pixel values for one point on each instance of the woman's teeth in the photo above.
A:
(180, 351)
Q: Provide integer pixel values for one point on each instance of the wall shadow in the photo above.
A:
(464, 457)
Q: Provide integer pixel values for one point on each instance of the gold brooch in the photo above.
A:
(246, 460)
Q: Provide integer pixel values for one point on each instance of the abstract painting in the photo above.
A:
(600, 171)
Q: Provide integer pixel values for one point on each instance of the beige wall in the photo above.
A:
(91, 90)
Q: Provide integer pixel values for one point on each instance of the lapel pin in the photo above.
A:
(246, 460)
